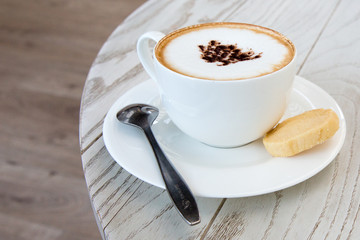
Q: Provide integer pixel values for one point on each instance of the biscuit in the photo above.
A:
(301, 132)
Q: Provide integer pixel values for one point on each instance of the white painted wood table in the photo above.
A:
(326, 206)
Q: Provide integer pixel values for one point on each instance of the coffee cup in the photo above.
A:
(224, 84)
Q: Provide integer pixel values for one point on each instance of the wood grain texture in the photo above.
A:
(339, 75)
(46, 49)
(326, 34)
(327, 205)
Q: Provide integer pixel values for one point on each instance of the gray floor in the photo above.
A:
(46, 50)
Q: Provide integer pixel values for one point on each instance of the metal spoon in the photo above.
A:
(142, 116)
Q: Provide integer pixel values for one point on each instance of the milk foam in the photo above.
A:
(182, 54)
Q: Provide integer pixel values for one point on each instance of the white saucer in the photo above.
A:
(216, 172)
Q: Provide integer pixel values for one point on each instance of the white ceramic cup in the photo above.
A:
(219, 113)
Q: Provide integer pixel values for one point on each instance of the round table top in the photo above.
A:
(324, 206)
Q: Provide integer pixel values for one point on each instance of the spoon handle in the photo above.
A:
(176, 187)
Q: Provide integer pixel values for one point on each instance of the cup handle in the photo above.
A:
(145, 53)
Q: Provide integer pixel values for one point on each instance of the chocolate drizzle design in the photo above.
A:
(225, 54)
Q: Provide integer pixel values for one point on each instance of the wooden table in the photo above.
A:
(327, 36)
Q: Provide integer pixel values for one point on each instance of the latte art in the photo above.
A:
(225, 54)
(224, 51)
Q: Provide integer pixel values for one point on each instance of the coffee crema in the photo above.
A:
(224, 51)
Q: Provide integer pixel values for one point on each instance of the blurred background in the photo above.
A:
(46, 50)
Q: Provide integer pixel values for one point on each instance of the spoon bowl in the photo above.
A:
(138, 115)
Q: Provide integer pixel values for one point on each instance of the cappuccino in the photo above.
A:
(224, 51)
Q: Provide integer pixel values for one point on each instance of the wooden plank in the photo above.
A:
(150, 214)
(113, 191)
(109, 185)
(148, 207)
(333, 66)
(121, 80)
(327, 205)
